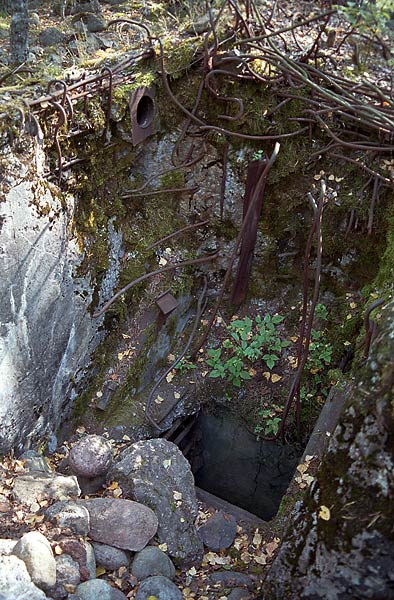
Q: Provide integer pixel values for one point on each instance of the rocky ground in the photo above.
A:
(99, 518)
(92, 35)
(104, 518)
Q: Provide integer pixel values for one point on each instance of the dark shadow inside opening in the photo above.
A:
(145, 111)
(231, 463)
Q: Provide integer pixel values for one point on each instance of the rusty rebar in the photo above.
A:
(127, 287)
(108, 71)
(178, 232)
(254, 199)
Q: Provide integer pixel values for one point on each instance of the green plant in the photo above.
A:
(185, 365)
(368, 17)
(247, 342)
(270, 424)
(319, 358)
(316, 378)
(321, 312)
(258, 155)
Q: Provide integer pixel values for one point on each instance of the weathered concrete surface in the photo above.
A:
(340, 545)
(46, 333)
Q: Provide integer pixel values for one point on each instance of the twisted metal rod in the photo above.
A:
(127, 287)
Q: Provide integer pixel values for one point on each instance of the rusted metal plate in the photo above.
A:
(142, 114)
(167, 303)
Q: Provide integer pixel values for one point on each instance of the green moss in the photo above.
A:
(385, 277)
(125, 400)
(174, 179)
(121, 93)
(179, 56)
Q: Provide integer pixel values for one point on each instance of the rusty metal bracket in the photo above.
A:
(142, 114)
(167, 303)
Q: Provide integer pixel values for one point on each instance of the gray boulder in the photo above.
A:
(155, 473)
(152, 561)
(158, 587)
(71, 516)
(219, 531)
(52, 36)
(92, 22)
(67, 574)
(120, 523)
(36, 486)
(109, 557)
(15, 582)
(36, 552)
(91, 456)
(98, 589)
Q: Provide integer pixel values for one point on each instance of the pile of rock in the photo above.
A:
(158, 501)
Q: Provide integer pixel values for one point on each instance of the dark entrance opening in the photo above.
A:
(145, 111)
(231, 463)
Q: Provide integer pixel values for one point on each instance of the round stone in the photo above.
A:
(152, 561)
(36, 552)
(121, 523)
(160, 588)
(219, 531)
(91, 456)
(109, 557)
(98, 589)
(71, 516)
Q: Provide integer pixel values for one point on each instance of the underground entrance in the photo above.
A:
(233, 464)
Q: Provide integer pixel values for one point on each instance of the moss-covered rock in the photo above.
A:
(341, 541)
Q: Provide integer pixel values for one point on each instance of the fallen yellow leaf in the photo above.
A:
(275, 378)
(324, 513)
(257, 538)
(170, 376)
(261, 560)
(302, 468)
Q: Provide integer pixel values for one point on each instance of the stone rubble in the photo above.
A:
(158, 506)
(109, 557)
